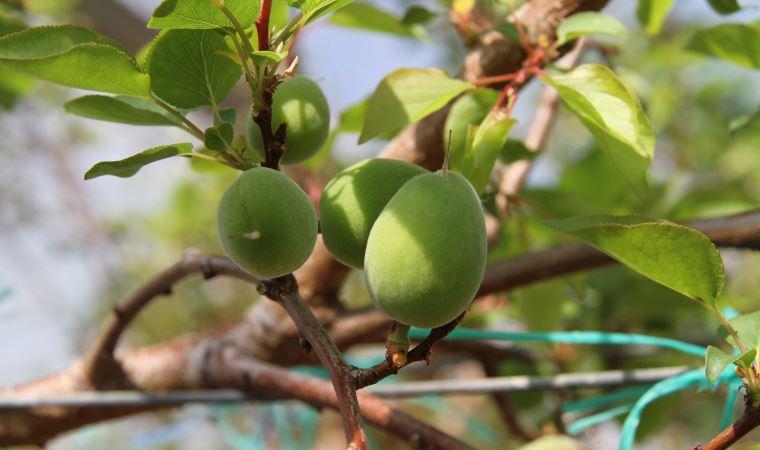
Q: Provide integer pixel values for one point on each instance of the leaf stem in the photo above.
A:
(239, 28)
(191, 127)
(262, 24)
(731, 330)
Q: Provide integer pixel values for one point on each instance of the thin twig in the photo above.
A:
(100, 366)
(505, 406)
(284, 290)
(513, 176)
(365, 377)
(748, 421)
(191, 127)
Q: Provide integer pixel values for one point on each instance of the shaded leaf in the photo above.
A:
(74, 56)
(747, 326)
(219, 138)
(673, 255)
(652, 14)
(202, 14)
(587, 23)
(187, 70)
(417, 15)
(735, 43)
(121, 109)
(13, 85)
(406, 96)
(127, 167)
(480, 157)
(613, 114)
(367, 17)
(10, 25)
(514, 151)
(716, 361)
(724, 6)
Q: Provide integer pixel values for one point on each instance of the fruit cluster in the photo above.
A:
(418, 236)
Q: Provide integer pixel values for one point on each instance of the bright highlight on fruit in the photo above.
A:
(354, 199)
(301, 105)
(426, 253)
(267, 224)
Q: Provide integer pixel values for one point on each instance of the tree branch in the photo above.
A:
(101, 370)
(284, 290)
(748, 421)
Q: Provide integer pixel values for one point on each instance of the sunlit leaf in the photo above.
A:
(202, 14)
(673, 255)
(587, 23)
(652, 14)
(364, 16)
(314, 9)
(127, 167)
(406, 96)
(613, 114)
(73, 56)
(187, 71)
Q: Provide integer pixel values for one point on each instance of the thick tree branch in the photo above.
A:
(284, 290)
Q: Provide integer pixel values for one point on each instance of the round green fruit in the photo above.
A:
(426, 253)
(352, 201)
(266, 223)
(300, 104)
(469, 109)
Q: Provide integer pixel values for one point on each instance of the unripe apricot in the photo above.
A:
(352, 201)
(426, 253)
(300, 104)
(266, 223)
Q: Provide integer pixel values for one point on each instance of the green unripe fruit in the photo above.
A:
(352, 201)
(469, 109)
(426, 253)
(266, 223)
(301, 105)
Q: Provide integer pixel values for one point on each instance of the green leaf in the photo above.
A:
(228, 115)
(735, 43)
(367, 17)
(127, 167)
(202, 14)
(724, 6)
(406, 96)
(261, 57)
(652, 14)
(10, 25)
(13, 85)
(219, 138)
(417, 15)
(314, 9)
(673, 255)
(121, 109)
(613, 114)
(747, 326)
(187, 70)
(716, 362)
(481, 156)
(75, 57)
(514, 151)
(746, 359)
(586, 23)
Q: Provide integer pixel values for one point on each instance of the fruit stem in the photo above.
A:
(397, 344)
(446, 156)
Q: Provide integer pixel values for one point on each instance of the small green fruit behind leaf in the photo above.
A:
(266, 223)
(469, 109)
(426, 253)
(352, 201)
(301, 105)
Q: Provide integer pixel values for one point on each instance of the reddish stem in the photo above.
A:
(262, 24)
